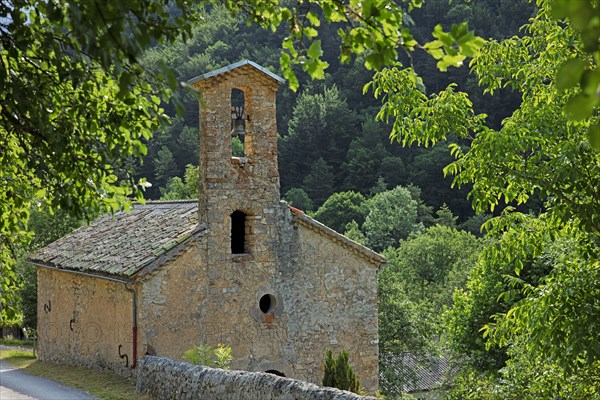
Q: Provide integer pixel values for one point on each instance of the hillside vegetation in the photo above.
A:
(473, 165)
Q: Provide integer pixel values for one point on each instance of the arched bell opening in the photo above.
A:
(238, 123)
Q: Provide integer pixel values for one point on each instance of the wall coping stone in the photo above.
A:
(164, 378)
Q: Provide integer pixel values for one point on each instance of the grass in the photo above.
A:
(102, 384)
(17, 342)
(19, 358)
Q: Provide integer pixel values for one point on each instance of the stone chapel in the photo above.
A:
(237, 267)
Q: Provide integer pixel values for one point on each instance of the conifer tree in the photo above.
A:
(328, 378)
(339, 373)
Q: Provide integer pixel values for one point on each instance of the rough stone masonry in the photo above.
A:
(167, 379)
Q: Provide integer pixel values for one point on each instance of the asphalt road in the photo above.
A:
(17, 385)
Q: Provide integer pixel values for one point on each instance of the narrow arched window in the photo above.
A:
(238, 122)
(238, 232)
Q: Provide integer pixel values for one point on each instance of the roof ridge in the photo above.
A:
(233, 66)
(182, 201)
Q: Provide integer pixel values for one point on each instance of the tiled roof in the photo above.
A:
(318, 227)
(417, 374)
(233, 66)
(124, 243)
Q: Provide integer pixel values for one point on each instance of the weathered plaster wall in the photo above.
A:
(330, 298)
(166, 379)
(172, 303)
(84, 321)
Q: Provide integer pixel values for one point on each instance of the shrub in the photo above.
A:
(219, 357)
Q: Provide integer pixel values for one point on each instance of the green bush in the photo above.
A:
(219, 357)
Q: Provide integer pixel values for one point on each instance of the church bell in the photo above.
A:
(238, 128)
(238, 116)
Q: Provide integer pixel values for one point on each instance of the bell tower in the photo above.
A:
(239, 177)
(239, 201)
(238, 139)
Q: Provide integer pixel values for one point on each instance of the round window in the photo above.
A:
(267, 303)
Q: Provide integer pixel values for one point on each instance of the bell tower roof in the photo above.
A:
(233, 66)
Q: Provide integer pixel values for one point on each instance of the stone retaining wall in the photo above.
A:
(166, 379)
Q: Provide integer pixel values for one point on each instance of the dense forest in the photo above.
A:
(329, 139)
(509, 303)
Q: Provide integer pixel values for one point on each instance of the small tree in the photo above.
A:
(237, 147)
(164, 165)
(339, 374)
(341, 208)
(353, 232)
(392, 216)
(329, 376)
(319, 182)
(445, 217)
(178, 189)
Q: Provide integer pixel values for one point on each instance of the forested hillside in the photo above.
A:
(329, 140)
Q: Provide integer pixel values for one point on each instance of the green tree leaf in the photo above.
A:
(569, 74)
(580, 106)
(315, 50)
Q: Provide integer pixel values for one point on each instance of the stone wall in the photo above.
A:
(84, 321)
(330, 301)
(324, 296)
(171, 303)
(167, 379)
(229, 183)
